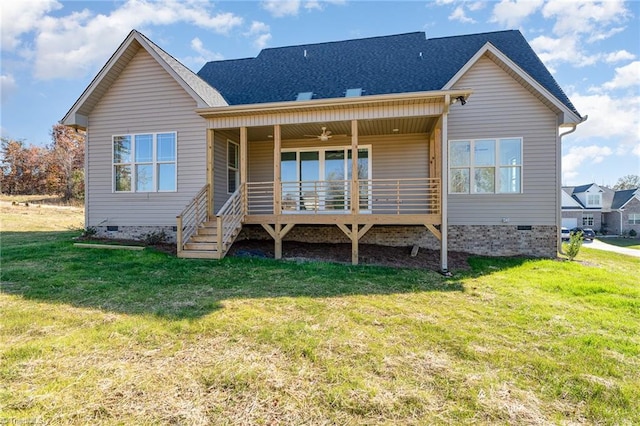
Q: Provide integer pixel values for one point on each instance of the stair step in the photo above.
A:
(204, 238)
(207, 231)
(209, 224)
(200, 246)
(199, 254)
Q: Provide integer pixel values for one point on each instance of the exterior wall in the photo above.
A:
(136, 233)
(498, 240)
(144, 98)
(393, 157)
(220, 175)
(632, 206)
(618, 223)
(501, 107)
(580, 214)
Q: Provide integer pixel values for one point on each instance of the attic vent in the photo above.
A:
(304, 96)
(305, 53)
(352, 93)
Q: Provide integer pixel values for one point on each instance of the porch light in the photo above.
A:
(461, 99)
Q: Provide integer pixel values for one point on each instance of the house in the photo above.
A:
(583, 205)
(449, 143)
(601, 208)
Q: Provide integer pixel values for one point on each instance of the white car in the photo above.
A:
(565, 233)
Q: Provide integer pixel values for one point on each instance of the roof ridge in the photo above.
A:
(474, 34)
(344, 41)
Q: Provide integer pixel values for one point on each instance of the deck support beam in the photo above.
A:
(277, 232)
(354, 234)
(434, 231)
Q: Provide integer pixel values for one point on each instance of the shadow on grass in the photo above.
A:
(45, 266)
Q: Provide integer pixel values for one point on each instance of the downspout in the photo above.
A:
(574, 126)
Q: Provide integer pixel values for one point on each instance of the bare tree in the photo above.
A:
(627, 182)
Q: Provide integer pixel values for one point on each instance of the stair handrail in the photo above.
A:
(192, 216)
(230, 218)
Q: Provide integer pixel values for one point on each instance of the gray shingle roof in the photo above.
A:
(379, 65)
(207, 93)
(620, 198)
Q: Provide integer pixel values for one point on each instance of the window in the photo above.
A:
(304, 96)
(634, 218)
(485, 166)
(587, 219)
(144, 162)
(317, 178)
(593, 199)
(233, 168)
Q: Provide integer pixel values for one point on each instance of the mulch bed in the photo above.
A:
(369, 254)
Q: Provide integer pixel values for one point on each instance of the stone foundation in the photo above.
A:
(498, 240)
(136, 233)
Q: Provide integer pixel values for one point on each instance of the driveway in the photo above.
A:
(600, 245)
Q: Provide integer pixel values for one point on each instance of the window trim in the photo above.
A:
(586, 218)
(596, 204)
(154, 162)
(322, 167)
(235, 169)
(635, 220)
(496, 166)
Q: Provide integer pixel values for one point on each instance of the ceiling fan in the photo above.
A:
(324, 136)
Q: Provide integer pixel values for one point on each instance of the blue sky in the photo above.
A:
(51, 50)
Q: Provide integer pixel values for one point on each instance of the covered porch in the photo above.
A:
(287, 164)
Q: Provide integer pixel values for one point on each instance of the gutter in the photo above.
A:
(574, 126)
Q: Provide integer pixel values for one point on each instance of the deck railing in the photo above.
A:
(193, 215)
(230, 218)
(376, 196)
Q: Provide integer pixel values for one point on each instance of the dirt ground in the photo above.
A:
(369, 254)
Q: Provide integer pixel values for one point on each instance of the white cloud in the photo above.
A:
(615, 120)
(7, 86)
(74, 44)
(261, 33)
(204, 55)
(619, 55)
(459, 15)
(627, 76)
(20, 17)
(578, 155)
(584, 16)
(510, 13)
(280, 8)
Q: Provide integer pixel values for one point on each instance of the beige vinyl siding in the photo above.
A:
(144, 99)
(393, 157)
(501, 107)
(220, 177)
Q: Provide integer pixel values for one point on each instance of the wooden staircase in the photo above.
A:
(202, 238)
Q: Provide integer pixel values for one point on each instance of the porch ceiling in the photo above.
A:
(390, 126)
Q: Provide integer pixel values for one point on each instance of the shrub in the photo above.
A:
(89, 232)
(155, 237)
(633, 233)
(573, 247)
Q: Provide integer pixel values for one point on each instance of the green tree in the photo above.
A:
(627, 182)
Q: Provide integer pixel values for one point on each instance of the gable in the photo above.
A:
(142, 88)
(568, 202)
(203, 94)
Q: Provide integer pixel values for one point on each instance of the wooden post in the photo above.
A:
(243, 166)
(278, 239)
(210, 177)
(277, 183)
(219, 234)
(444, 185)
(179, 235)
(354, 244)
(355, 190)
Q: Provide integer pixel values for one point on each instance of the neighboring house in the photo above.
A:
(582, 206)
(455, 142)
(601, 208)
(624, 214)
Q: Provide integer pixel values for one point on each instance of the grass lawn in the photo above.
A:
(632, 243)
(94, 336)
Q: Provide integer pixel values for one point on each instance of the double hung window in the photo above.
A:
(233, 166)
(145, 162)
(485, 166)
